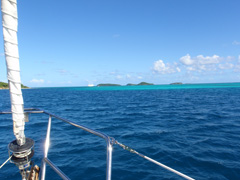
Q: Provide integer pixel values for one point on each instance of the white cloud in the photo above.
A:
(186, 60)
(159, 66)
(37, 81)
(200, 63)
(208, 59)
(200, 68)
(200, 59)
(162, 68)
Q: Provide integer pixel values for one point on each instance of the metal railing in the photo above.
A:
(109, 141)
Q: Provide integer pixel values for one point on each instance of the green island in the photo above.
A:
(4, 85)
(140, 84)
(129, 84)
(108, 84)
(176, 83)
(144, 84)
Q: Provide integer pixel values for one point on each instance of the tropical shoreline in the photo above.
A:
(4, 85)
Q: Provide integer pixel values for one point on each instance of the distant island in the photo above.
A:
(140, 84)
(129, 84)
(176, 83)
(4, 85)
(108, 84)
(144, 84)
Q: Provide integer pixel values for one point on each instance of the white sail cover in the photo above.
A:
(10, 27)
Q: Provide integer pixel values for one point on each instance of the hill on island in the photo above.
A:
(129, 84)
(4, 85)
(108, 84)
(140, 84)
(176, 83)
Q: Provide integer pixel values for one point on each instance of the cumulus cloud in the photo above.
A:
(37, 81)
(162, 68)
(208, 59)
(186, 60)
(199, 68)
(159, 66)
(200, 59)
(200, 62)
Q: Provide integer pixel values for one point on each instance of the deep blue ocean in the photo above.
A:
(194, 129)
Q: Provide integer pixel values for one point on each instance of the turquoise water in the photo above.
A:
(191, 128)
(155, 87)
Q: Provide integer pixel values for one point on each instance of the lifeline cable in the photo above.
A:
(152, 160)
(5, 162)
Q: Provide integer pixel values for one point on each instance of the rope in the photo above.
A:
(153, 161)
(5, 161)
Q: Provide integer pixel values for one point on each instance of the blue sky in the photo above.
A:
(87, 42)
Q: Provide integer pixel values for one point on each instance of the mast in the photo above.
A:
(10, 27)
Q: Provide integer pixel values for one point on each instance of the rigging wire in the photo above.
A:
(5, 161)
(152, 160)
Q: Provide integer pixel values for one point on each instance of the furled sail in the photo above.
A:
(10, 27)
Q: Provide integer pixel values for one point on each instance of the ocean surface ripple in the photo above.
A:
(193, 130)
